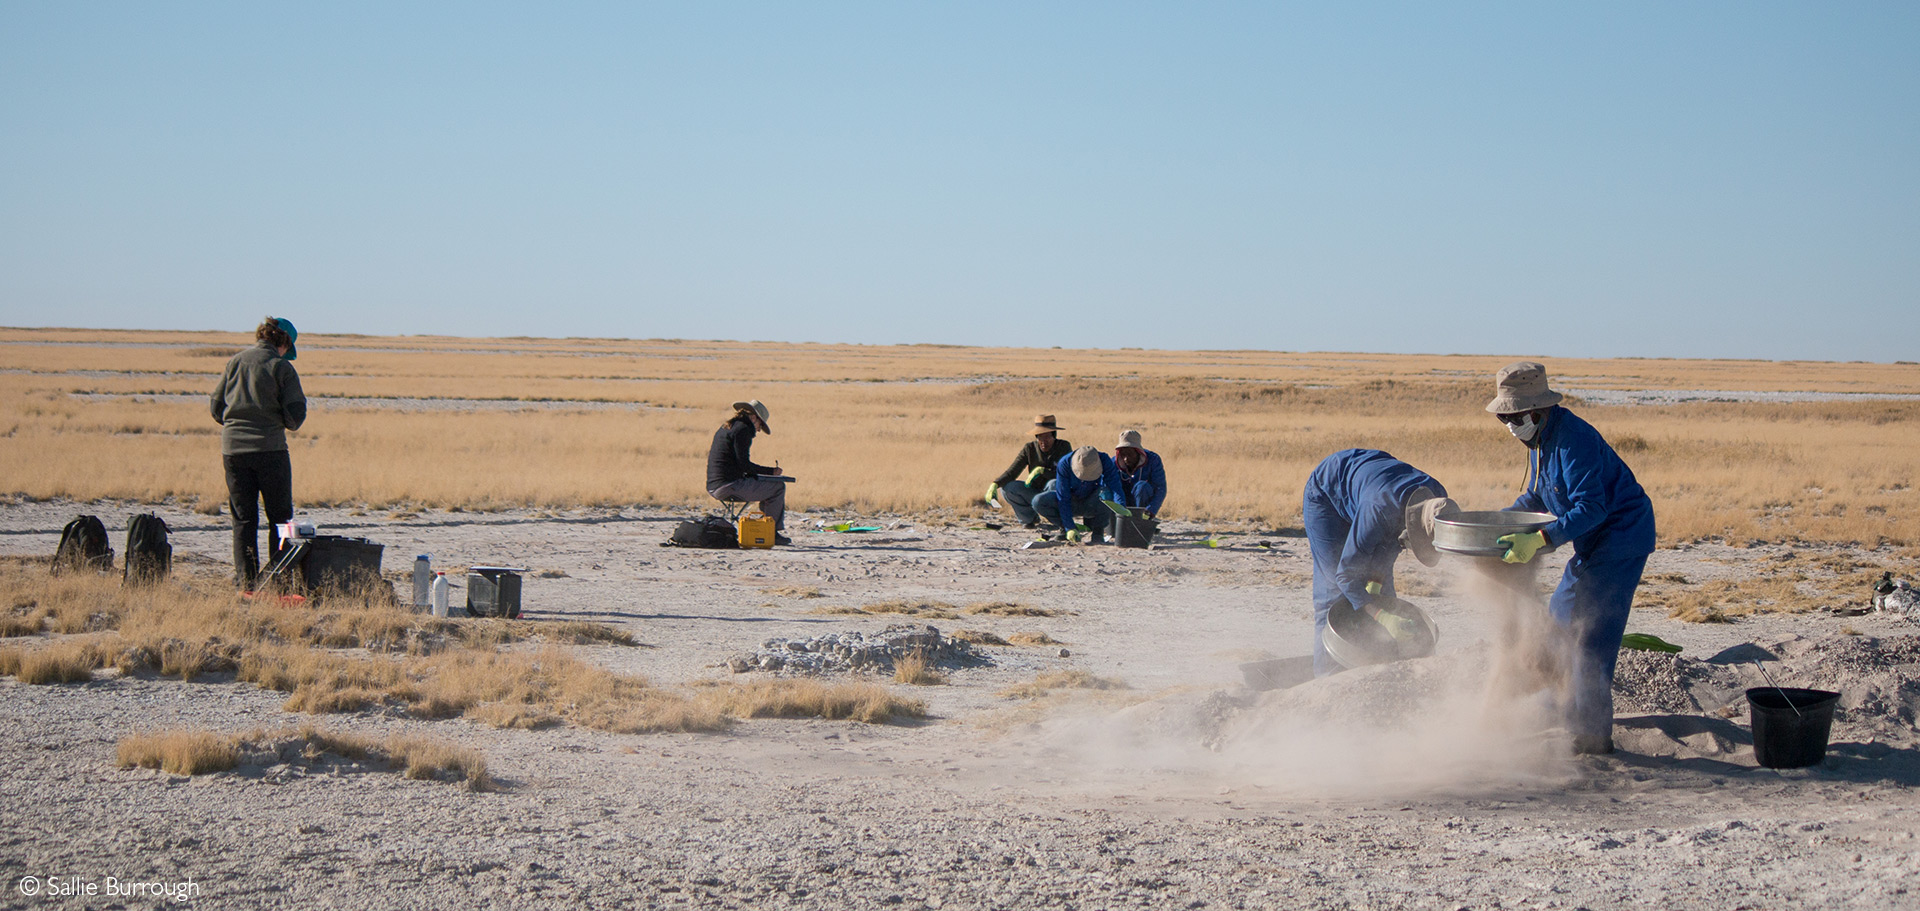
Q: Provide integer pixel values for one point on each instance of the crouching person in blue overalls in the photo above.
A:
(1143, 478)
(1082, 479)
(1598, 506)
(1361, 507)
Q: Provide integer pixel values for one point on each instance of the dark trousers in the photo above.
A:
(251, 478)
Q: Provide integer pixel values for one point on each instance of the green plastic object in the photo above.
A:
(1647, 642)
(1117, 509)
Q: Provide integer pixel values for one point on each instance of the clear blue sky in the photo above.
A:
(1691, 179)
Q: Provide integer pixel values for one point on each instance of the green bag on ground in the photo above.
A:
(1647, 642)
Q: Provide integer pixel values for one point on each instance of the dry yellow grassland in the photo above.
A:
(86, 414)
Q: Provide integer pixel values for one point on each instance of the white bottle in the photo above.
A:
(422, 582)
(440, 594)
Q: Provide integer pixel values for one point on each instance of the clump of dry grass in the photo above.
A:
(72, 661)
(978, 637)
(934, 610)
(197, 752)
(178, 752)
(1061, 680)
(798, 698)
(581, 632)
(1034, 637)
(840, 611)
(914, 669)
(1797, 584)
(1011, 609)
(423, 758)
(793, 591)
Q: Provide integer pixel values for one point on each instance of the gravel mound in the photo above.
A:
(858, 652)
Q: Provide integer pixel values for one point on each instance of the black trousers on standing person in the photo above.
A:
(251, 478)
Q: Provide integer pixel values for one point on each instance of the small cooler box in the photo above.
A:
(494, 591)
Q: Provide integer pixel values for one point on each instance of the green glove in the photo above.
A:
(993, 495)
(1521, 547)
(1374, 588)
(1075, 534)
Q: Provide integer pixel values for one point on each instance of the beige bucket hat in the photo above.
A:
(1129, 439)
(1043, 423)
(1086, 464)
(1521, 386)
(757, 408)
(1423, 506)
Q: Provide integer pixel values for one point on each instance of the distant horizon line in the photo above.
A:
(1332, 352)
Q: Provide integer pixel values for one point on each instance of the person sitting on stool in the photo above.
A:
(732, 475)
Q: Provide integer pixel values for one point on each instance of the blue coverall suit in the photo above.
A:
(1355, 507)
(1573, 474)
(1067, 494)
(1146, 487)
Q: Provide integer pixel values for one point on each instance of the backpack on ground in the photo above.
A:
(149, 556)
(83, 545)
(707, 531)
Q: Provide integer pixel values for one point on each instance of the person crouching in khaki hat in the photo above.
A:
(1143, 477)
(1598, 507)
(732, 474)
(1032, 470)
(1082, 479)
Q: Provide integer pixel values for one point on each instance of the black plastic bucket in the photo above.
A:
(1790, 725)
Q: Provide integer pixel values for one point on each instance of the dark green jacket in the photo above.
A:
(1032, 456)
(257, 401)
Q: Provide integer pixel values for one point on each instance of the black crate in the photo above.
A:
(335, 564)
(493, 591)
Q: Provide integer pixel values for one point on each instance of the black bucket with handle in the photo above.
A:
(1790, 725)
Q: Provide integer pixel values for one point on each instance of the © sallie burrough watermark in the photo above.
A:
(60, 887)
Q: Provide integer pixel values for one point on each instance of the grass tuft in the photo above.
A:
(914, 669)
(1033, 638)
(864, 702)
(978, 637)
(1010, 609)
(1060, 680)
(178, 752)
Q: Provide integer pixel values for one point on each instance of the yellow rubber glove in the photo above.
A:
(1400, 628)
(1075, 534)
(993, 495)
(1521, 547)
(1374, 588)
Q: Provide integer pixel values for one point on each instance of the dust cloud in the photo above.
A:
(1475, 719)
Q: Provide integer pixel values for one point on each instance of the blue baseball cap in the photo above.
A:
(292, 336)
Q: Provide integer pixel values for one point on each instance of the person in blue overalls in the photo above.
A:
(1598, 507)
(1361, 507)
(1082, 478)
(1143, 478)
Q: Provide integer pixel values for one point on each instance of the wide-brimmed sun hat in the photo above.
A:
(1043, 423)
(1521, 386)
(1086, 464)
(754, 406)
(1423, 507)
(293, 335)
(1129, 439)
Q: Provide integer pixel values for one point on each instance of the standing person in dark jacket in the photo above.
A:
(732, 474)
(1143, 478)
(257, 401)
(1360, 508)
(1031, 470)
(1601, 509)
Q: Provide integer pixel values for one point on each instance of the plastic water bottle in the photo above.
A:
(440, 594)
(422, 582)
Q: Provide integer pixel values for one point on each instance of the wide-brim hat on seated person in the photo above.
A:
(758, 409)
(1043, 423)
(1129, 439)
(1521, 386)
(1086, 464)
(1423, 507)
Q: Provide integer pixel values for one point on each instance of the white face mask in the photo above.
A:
(1527, 429)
